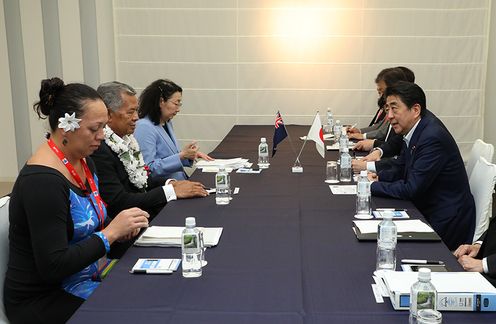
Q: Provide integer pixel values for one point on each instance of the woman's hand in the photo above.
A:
(130, 236)
(206, 157)
(189, 151)
(126, 224)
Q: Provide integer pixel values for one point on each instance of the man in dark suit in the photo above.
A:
(123, 178)
(430, 170)
(480, 256)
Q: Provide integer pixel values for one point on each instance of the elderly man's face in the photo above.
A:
(123, 121)
(402, 119)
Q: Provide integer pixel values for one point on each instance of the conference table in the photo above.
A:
(287, 254)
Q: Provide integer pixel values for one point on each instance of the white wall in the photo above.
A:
(238, 67)
(490, 95)
(64, 38)
(239, 61)
(8, 161)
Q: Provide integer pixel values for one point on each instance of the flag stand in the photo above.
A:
(297, 168)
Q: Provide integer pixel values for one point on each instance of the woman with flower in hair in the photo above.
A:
(59, 230)
(158, 104)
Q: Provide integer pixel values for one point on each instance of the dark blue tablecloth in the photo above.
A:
(287, 253)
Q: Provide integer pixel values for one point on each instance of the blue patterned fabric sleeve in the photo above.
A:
(104, 239)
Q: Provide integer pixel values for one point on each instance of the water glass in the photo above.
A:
(332, 172)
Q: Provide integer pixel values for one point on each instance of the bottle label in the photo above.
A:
(263, 149)
(387, 234)
(190, 241)
(426, 300)
(221, 180)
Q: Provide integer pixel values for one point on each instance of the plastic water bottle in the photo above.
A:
(387, 236)
(191, 249)
(343, 142)
(263, 154)
(222, 187)
(363, 195)
(345, 166)
(423, 294)
(330, 119)
(337, 130)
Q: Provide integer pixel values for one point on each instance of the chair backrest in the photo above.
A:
(482, 183)
(480, 148)
(4, 249)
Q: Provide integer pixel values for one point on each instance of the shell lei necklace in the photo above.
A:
(128, 151)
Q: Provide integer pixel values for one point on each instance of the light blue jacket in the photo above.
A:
(160, 152)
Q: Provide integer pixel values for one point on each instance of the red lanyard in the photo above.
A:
(77, 178)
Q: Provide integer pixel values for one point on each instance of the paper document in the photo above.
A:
(335, 146)
(446, 282)
(215, 169)
(170, 236)
(249, 170)
(234, 163)
(343, 189)
(411, 225)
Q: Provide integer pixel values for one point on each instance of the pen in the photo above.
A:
(353, 126)
(391, 209)
(413, 261)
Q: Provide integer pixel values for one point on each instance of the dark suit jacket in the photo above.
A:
(390, 149)
(431, 173)
(116, 189)
(488, 250)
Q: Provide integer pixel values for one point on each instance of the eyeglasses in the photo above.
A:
(178, 104)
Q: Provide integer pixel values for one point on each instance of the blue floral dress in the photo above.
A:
(86, 223)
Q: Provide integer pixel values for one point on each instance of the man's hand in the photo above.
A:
(467, 249)
(351, 130)
(372, 176)
(470, 264)
(358, 165)
(357, 136)
(188, 189)
(364, 145)
(373, 156)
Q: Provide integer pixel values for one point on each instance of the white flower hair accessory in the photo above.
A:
(69, 123)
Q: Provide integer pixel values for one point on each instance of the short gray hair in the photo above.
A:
(111, 93)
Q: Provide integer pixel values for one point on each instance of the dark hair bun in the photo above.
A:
(48, 93)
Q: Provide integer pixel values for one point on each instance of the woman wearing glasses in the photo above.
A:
(158, 104)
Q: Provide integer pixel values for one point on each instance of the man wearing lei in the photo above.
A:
(124, 180)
